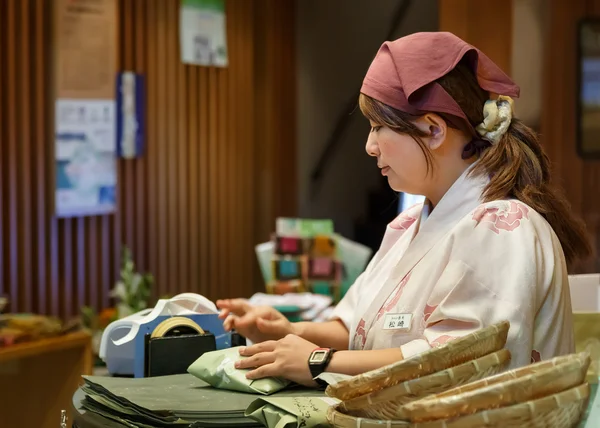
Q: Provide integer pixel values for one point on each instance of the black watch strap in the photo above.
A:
(319, 360)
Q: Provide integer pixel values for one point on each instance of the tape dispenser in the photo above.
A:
(165, 339)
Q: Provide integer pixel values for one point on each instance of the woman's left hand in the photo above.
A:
(286, 358)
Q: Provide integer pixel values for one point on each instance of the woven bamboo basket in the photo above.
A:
(458, 351)
(561, 410)
(506, 389)
(384, 404)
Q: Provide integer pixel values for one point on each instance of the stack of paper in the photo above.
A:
(170, 401)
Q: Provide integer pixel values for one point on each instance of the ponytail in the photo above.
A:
(519, 168)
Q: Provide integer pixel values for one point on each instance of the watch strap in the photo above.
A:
(317, 369)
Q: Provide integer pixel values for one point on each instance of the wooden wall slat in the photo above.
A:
(4, 283)
(190, 208)
(152, 139)
(11, 155)
(204, 161)
(141, 184)
(24, 158)
(172, 144)
(234, 161)
(213, 171)
(183, 178)
(224, 153)
(162, 145)
(193, 195)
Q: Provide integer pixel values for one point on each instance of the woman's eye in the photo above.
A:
(375, 128)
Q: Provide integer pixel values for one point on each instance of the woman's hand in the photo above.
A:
(256, 323)
(286, 358)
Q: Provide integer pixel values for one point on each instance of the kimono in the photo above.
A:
(464, 266)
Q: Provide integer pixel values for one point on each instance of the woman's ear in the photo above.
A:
(435, 129)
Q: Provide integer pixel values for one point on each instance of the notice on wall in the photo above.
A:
(202, 32)
(86, 48)
(85, 157)
(85, 54)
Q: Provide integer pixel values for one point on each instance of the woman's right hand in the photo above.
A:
(256, 323)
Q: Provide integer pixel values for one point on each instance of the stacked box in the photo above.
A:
(305, 259)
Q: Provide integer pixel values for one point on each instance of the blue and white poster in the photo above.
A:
(130, 115)
(86, 170)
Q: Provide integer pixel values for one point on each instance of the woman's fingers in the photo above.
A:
(236, 306)
(229, 323)
(257, 360)
(268, 370)
(267, 346)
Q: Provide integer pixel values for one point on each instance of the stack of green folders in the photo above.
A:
(179, 400)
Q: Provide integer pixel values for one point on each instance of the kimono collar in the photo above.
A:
(462, 197)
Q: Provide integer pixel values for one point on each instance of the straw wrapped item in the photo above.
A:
(384, 404)
(458, 351)
(560, 410)
(506, 389)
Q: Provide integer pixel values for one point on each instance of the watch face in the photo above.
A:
(318, 356)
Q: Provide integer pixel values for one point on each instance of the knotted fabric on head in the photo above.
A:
(404, 72)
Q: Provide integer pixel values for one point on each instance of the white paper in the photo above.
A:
(203, 33)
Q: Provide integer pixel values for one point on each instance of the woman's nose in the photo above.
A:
(372, 148)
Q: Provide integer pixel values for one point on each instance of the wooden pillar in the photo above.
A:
(580, 178)
(485, 24)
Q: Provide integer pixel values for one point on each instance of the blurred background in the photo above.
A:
(140, 137)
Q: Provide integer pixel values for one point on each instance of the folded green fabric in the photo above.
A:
(291, 412)
(217, 369)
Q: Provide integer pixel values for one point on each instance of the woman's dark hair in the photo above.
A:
(517, 165)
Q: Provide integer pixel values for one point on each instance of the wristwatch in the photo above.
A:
(319, 360)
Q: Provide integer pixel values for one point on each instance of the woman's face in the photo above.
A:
(400, 159)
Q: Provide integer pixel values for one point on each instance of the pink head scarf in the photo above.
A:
(404, 71)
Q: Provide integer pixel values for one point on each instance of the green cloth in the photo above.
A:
(217, 369)
(291, 412)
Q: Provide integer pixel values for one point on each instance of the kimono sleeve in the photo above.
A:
(346, 308)
(494, 272)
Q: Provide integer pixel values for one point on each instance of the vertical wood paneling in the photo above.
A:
(217, 168)
(162, 146)
(184, 122)
(152, 138)
(24, 158)
(4, 283)
(204, 237)
(39, 151)
(193, 198)
(172, 144)
(11, 154)
(141, 214)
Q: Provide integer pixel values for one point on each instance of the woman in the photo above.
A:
(490, 243)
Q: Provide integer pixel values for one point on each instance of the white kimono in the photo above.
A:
(463, 267)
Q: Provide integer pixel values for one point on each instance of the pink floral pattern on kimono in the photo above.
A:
(497, 219)
(428, 311)
(393, 301)
(536, 357)
(403, 221)
(360, 335)
(442, 340)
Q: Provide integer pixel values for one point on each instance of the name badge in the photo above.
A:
(397, 321)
